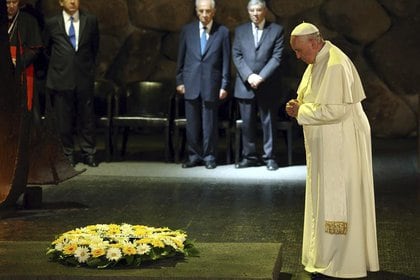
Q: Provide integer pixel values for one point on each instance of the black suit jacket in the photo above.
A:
(69, 68)
(203, 75)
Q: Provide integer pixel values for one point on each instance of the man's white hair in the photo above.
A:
(257, 2)
(213, 3)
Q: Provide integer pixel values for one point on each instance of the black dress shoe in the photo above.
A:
(211, 164)
(190, 164)
(91, 161)
(272, 165)
(247, 163)
(319, 276)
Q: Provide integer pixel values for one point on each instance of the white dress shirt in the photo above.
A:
(207, 30)
(76, 24)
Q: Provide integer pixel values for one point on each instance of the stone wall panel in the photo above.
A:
(389, 114)
(289, 8)
(401, 8)
(395, 56)
(137, 58)
(166, 15)
(164, 70)
(112, 16)
(354, 19)
(170, 45)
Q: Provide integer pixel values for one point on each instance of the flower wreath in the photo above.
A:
(108, 245)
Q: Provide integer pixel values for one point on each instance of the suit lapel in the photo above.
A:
(212, 35)
(250, 36)
(266, 30)
(195, 37)
(62, 26)
(267, 27)
(82, 26)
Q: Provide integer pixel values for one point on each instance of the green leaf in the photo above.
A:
(137, 261)
(96, 262)
(72, 261)
(129, 260)
(50, 251)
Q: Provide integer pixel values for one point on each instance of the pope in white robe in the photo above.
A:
(339, 236)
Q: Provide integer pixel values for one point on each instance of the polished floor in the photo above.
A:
(227, 204)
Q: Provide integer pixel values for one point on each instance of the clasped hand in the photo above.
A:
(292, 108)
(254, 80)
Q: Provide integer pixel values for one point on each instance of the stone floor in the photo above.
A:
(227, 204)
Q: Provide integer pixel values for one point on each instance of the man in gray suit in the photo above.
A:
(257, 52)
(202, 76)
(72, 40)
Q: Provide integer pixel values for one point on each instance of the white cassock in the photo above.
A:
(339, 236)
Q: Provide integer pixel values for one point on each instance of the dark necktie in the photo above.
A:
(203, 40)
(72, 33)
(256, 35)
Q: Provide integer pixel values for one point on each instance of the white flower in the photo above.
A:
(170, 242)
(181, 238)
(115, 242)
(113, 254)
(143, 249)
(102, 227)
(59, 247)
(82, 254)
(127, 229)
(95, 239)
(98, 245)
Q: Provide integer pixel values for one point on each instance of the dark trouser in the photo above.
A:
(202, 132)
(74, 109)
(268, 116)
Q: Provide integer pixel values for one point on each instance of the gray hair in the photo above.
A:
(314, 37)
(213, 3)
(257, 2)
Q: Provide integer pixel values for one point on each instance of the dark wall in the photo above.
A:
(139, 42)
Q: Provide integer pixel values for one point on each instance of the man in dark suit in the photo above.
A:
(203, 78)
(257, 52)
(72, 40)
(25, 43)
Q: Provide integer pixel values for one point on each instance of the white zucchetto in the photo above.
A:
(304, 29)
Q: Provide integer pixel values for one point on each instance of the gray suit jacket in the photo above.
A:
(264, 60)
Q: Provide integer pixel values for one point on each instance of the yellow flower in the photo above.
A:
(69, 249)
(158, 243)
(91, 228)
(178, 243)
(114, 229)
(140, 230)
(144, 241)
(97, 252)
(129, 250)
(59, 240)
(115, 242)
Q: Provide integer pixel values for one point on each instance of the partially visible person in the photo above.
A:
(202, 76)
(257, 54)
(72, 42)
(339, 235)
(25, 45)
